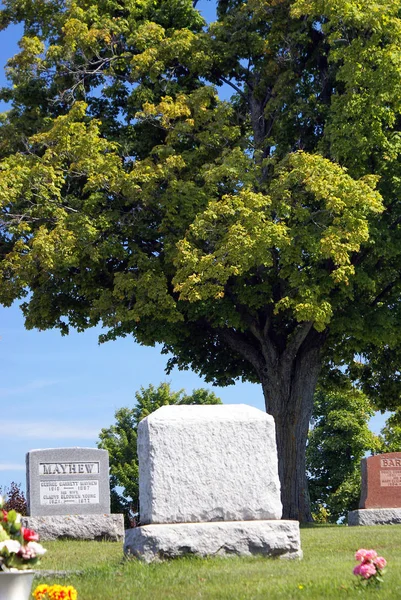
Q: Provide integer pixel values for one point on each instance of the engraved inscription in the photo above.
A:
(390, 478)
(69, 492)
(70, 468)
(390, 462)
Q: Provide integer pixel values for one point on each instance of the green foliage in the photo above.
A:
(120, 440)
(338, 441)
(250, 237)
(390, 435)
(208, 222)
(320, 514)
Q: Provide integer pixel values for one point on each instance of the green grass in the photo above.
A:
(325, 571)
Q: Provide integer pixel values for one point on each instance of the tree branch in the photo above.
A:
(268, 349)
(235, 87)
(296, 340)
(237, 342)
(395, 223)
(387, 289)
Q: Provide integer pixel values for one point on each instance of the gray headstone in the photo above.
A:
(63, 481)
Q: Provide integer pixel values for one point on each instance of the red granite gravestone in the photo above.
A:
(381, 481)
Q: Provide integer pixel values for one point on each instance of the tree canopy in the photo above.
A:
(255, 238)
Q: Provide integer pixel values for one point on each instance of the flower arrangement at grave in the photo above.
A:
(371, 567)
(55, 592)
(19, 547)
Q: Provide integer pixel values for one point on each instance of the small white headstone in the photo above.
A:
(208, 463)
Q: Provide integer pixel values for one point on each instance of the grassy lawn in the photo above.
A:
(325, 571)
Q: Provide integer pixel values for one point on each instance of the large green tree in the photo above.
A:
(120, 439)
(256, 238)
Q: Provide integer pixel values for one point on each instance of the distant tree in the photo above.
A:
(338, 441)
(120, 440)
(390, 435)
(14, 498)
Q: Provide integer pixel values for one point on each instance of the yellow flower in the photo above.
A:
(40, 591)
(55, 592)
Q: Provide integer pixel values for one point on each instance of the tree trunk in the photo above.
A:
(289, 395)
(288, 373)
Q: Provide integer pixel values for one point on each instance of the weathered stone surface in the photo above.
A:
(77, 527)
(241, 538)
(381, 481)
(61, 481)
(208, 463)
(375, 516)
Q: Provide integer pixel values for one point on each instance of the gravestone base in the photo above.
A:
(374, 516)
(77, 527)
(273, 538)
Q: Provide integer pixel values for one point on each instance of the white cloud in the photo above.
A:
(47, 430)
(37, 384)
(11, 467)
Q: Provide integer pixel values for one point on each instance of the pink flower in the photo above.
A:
(360, 555)
(367, 569)
(370, 555)
(370, 566)
(26, 552)
(380, 562)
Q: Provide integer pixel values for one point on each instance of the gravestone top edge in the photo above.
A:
(223, 412)
(66, 448)
(383, 454)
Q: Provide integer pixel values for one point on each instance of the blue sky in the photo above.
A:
(60, 391)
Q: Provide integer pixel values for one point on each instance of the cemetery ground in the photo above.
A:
(98, 571)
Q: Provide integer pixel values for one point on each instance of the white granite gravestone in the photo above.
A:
(208, 484)
(68, 494)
